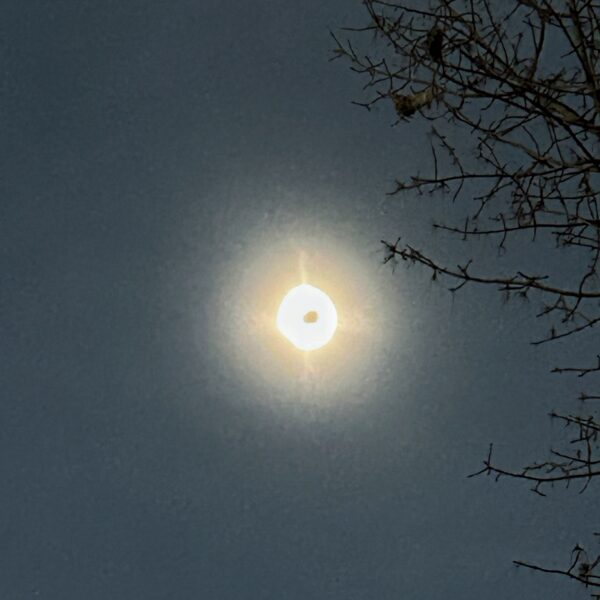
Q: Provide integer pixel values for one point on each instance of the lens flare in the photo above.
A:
(307, 317)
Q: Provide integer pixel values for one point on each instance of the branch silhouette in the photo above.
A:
(511, 93)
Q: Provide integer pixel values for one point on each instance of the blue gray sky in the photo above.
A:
(163, 166)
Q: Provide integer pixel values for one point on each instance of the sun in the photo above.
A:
(307, 317)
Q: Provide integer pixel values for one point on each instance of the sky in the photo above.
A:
(167, 171)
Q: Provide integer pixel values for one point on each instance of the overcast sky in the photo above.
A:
(162, 167)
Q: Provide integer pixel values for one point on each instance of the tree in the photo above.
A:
(523, 78)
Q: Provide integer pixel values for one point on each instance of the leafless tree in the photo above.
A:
(523, 78)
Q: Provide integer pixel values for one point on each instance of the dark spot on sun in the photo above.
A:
(311, 317)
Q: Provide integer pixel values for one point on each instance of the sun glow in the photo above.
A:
(307, 317)
(300, 319)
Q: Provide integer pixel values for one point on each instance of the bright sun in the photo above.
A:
(307, 317)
